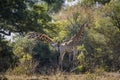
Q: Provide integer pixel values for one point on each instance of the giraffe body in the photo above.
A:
(71, 45)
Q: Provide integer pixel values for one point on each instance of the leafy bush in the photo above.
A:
(33, 56)
(7, 58)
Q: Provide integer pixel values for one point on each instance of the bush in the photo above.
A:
(33, 56)
(7, 58)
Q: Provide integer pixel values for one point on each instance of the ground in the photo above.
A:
(87, 76)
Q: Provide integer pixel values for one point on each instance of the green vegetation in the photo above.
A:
(98, 50)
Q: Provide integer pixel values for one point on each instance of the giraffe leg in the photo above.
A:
(61, 61)
(74, 54)
(74, 58)
(70, 57)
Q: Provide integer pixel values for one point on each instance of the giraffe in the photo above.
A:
(42, 37)
(39, 36)
(71, 45)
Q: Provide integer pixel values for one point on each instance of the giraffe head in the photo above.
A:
(56, 45)
(32, 35)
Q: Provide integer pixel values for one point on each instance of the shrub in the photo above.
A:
(33, 56)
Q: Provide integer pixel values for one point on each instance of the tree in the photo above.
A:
(100, 42)
(7, 58)
(12, 16)
(112, 10)
(93, 2)
(18, 16)
(100, 49)
(54, 5)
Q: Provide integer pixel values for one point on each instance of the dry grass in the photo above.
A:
(105, 76)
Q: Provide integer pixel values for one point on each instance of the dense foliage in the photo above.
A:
(33, 57)
(7, 58)
(99, 47)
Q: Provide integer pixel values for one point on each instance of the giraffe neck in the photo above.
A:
(77, 37)
(39, 36)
